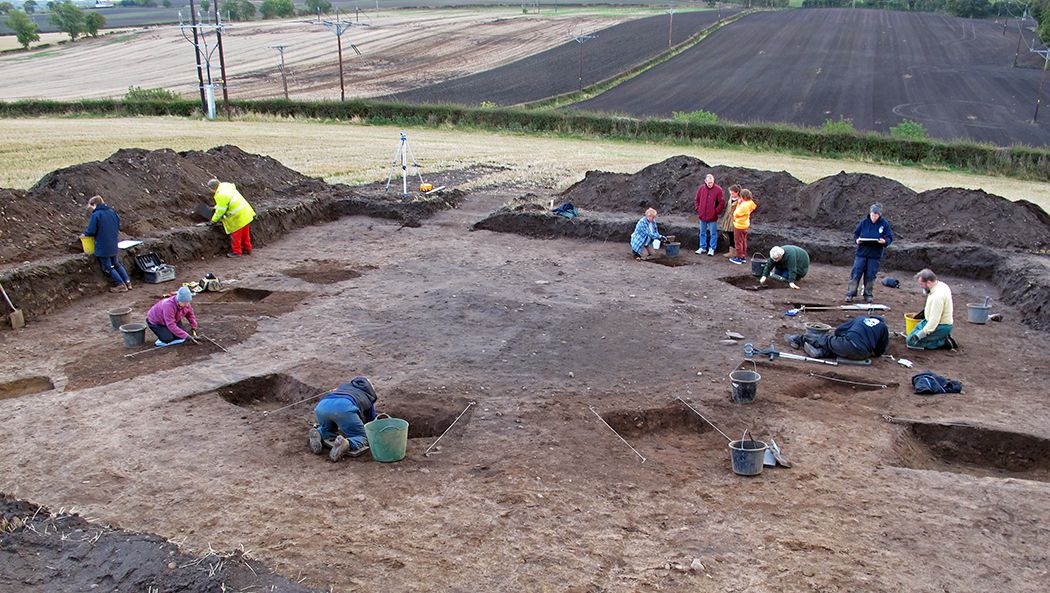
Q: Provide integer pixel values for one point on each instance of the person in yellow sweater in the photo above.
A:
(236, 215)
(935, 330)
(741, 224)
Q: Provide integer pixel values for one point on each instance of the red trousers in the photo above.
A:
(241, 240)
(740, 239)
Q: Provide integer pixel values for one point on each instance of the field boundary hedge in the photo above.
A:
(1017, 161)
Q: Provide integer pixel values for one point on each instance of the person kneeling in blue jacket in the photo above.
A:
(341, 417)
(858, 339)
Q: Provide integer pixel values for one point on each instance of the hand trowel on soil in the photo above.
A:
(774, 455)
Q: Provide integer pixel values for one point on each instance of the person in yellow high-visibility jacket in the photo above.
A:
(236, 215)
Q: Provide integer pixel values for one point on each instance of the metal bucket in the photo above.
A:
(119, 317)
(747, 455)
(815, 329)
(977, 312)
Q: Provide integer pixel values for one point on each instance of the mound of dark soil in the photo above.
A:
(42, 551)
(947, 215)
(151, 190)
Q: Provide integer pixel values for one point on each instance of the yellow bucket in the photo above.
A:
(909, 323)
(89, 245)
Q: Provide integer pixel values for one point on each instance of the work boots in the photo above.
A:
(794, 340)
(316, 444)
(339, 449)
(851, 291)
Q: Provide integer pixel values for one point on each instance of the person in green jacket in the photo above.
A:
(786, 264)
(236, 215)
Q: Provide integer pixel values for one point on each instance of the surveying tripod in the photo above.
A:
(402, 156)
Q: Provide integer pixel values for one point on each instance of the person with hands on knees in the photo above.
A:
(164, 317)
(786, 264)
(645, 232)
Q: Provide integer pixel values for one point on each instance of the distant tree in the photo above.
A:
(277, 9)
(166, 4)
(68, 18)
(51, 5)
(315, 6)
(23, 26)
(29, 6)
(205, 6)
(238, 10)
(136, 93)
(6, 7)
(93, 22)
(247, 10)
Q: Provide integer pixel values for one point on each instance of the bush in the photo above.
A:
(137, 94)
(842, 126)
(912, 130)
(700, 116)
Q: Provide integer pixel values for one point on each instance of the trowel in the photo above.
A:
(16, 317)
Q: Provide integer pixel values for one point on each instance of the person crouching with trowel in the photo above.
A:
(164, 317)
(860, 338)
(645, 233)
(341, 415)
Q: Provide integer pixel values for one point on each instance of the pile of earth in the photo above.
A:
(946, 215)
(44, 551)
(152, 191)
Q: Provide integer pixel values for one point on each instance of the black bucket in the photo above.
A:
(758, 263)
(745, 385)
(747, 455)
(816, 329)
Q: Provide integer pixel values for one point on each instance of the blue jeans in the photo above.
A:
(337, 415)
(113, 267)
(933, 341)
(711, 228)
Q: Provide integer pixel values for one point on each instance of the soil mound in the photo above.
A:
(44, 551)
(151, 190)
(839, 202)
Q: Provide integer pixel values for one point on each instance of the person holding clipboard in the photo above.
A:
(872, 236)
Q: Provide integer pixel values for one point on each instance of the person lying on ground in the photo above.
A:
(645, 232)
(341, 417)
(788, 263)
(710, 203)
(860, 338)
(725, 222)
(872, 236)
(164, 317)
(104, 226)
(935, 329)
(741, 225)
(236, 215)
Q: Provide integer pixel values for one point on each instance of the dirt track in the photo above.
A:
(875, 67)
(558, 70)
(531, 491)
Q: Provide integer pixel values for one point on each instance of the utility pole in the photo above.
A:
(1020, 30)
(222, 61)
(284, 78)
(197, 57)
(580, 39)
(670, 27)
(339, 27)
(1039, 96)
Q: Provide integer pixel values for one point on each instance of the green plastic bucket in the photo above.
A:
(387, 437)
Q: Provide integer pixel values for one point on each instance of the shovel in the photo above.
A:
(17, 319)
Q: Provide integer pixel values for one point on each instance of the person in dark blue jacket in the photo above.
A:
(104, 226)
(872, 236)
(341, 415)
(858, 339)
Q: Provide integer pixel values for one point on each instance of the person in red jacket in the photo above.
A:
(710, 202)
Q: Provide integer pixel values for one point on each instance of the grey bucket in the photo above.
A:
(815, 328)
(118, 317)
(977, 312)
(758, 263)
(747, 455)
(745, 385)
(134, 334)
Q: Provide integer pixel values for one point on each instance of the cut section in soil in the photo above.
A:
(267, 392)
(326, 272)
(427, 418)
(972, 450)
(25, 386)
(671, 418)
(243, 295)
(749, 282)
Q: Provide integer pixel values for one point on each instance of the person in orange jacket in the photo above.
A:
(741, 224)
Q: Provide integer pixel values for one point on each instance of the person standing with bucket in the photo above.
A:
(872, 236)
(236, 215)
(104, 226)
(341, 416)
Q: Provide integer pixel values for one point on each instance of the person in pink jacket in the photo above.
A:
(164, 317)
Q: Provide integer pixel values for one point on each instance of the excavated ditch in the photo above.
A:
(25, 386)
(971, 449)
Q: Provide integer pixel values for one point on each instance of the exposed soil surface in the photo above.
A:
(948, 215)
(44, 551)
(876, 68)
(554, 341)
(610, 52)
